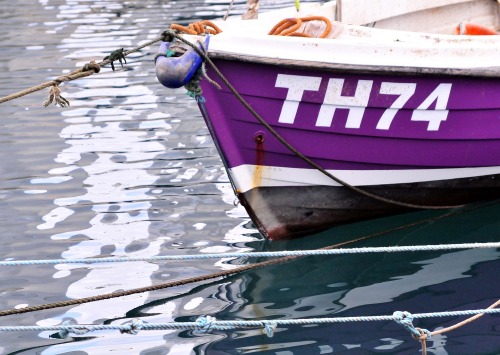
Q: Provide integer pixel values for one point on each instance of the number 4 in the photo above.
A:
(441, 95)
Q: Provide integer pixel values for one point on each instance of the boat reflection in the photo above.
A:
(372, 284)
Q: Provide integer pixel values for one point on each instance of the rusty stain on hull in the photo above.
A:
(259, 158)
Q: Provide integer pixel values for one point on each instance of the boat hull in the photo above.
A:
(293, 211)
(429, 140)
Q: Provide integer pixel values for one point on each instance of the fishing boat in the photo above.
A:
(353, 109)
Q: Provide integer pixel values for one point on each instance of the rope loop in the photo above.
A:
(289, 27)
(197, 28)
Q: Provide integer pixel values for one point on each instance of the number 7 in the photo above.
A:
(405, 91)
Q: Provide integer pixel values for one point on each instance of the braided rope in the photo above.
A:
(212, 276)
(87, 70)
(205, 324)
(262, 254)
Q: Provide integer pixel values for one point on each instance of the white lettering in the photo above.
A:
(441, 95)
(405, 91)
(296, 86)
(355, 104)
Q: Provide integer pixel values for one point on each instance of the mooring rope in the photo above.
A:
(84, 71)
(225, 273)
(406, 320)
(261, 254)
(87, 70)
(206, 324)
(286, 144)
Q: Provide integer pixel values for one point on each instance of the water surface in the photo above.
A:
(129, 169)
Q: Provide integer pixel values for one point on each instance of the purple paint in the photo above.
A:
(468, 137)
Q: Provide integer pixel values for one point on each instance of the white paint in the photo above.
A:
(423, 113)
(355, 104)
(358, 45)
(296, 85)
(405, 91)
(278, 176)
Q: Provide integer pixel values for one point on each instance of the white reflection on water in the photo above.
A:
(451, 266)
(116, 176)
(116, 135)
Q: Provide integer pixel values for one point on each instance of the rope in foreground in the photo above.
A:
(316, 252)
(206, 324)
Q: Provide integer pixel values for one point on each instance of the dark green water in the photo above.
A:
(129, 169)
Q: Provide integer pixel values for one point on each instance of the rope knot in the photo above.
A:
(205, 324)
(133, 327)
(406, 320)
(92, 66)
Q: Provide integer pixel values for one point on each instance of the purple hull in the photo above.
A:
(361, 125)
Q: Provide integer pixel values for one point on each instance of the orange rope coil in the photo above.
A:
(289, 27)
(197, 28)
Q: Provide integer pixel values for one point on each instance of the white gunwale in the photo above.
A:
(360, 48)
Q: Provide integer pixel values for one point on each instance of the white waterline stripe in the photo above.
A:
(244, 176)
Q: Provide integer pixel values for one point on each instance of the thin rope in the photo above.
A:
(262, 254)
(215, 275)
(172, 34)
(461, 324)
(406, 320)
(293, 149)
(230, 7)
(206, 324)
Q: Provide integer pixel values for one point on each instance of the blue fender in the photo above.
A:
(175, 72)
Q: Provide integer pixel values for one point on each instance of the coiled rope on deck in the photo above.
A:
(289, 27)
(197, 28)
